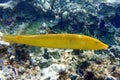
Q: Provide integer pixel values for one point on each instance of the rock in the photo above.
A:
(10, 4)
(52, 72)
(65, 15)
(46, 6)
(12, 57)
(89, 76)
(113, 69)
(79, 71)
(2, 77)
(84, 64)
(10, 72)
(55, 53)
(109, 78)
(112, 1)
(1, 64)
(46, 55)
(107, 10)
(118, 73)
(33, 61)
(115, 20)
(21, 70)
(37, 68)
(73, 77)
(115, 50)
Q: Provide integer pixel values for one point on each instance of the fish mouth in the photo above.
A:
(104, 46)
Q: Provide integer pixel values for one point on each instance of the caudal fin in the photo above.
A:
(1, 40)
(1, 34)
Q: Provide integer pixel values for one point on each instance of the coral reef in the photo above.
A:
(96, 18)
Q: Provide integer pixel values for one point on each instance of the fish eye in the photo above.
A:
(96, 42)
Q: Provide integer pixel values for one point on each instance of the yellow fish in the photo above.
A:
(67, 41)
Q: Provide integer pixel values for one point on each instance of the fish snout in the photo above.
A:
(102, 45)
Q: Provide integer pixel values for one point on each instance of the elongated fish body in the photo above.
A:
(69, 41)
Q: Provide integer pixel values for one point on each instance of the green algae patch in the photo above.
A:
(32, 28)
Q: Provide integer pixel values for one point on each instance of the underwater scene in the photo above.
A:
(59, 39)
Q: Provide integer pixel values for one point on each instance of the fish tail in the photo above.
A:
(5, 38)
(1, 35)
(8, 38)
(2, 40)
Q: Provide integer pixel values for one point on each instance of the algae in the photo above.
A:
(32, 28)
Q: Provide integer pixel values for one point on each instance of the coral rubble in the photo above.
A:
(96, 18)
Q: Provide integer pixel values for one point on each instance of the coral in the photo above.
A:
(10, 4)
(53, 71)
(89, 75)
(79, 71)
(112, 1)
(1, 64)
(96, 18)
(41, 26)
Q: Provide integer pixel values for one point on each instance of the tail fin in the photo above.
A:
(1, 41)
(1, 34)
